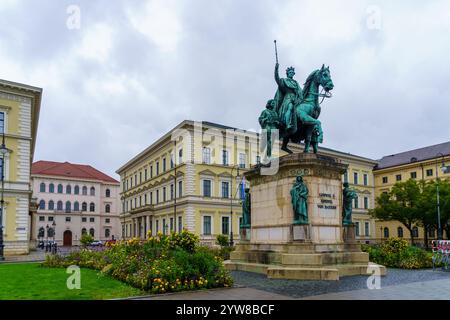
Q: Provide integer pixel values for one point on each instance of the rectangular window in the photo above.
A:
(151, 197)
(172, 165)
(225, 225)
(151, 172)
(83, 219)
(145, 174)
(242, 160)
(41, 218)
(258, 159)
(357, 228)
(225, 157)
(180, 156)
(171, 224)
(145, 199)
(346, 176)
(135, 180)
(207, 225)
(131, 182)
(2, 122)
(180, 189)
(207, 155)
(107, 220)
(366, 203)
(164, 194)
(207, 188)
(91, 219)
(367, 229)
(157, 225)
(157, 168)
(398, 177)
(356, 203)
(366, 179)
(413, 175)
(385, 179)
(180, 224)
(50, 218)
(171, 191)
(164, 165)
(140, 177)
(68, 219)
(164, 226)
(157, 196)
(429, 172)
(225, 190)
(355, 177)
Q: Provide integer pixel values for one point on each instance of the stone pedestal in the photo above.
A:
(245, 234)
(323, 249)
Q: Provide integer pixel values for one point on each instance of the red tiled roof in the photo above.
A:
(69, 170)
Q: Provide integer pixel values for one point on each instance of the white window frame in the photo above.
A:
(204, 157)
(6, 110)
(212, 223)
(245, 160)
(367, 228)
(229, 223)
(229, 188)
(202, 186)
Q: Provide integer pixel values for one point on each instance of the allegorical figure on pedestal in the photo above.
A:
(347, 208)
(269, 121)
(246, 210)
(299, 195)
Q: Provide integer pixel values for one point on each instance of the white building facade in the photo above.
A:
(73, 200)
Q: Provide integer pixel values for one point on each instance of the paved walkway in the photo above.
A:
(428, 290)
(220, 294)
(32, 257)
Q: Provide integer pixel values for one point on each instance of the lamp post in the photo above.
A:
(381, 234)
(231, 202)
(444, 169)
(3, 151)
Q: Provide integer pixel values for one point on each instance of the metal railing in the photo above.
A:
(441, 253)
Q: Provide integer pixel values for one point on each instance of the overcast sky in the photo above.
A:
(135, 69)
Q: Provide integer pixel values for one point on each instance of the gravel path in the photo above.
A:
(300, 288)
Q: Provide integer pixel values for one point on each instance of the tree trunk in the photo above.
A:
(412, 235)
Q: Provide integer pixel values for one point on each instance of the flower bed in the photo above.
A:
(160, 264)
(397, 253)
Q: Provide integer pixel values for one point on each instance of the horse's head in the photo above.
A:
(324, 78)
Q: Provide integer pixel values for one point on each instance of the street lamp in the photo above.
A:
(231, 202)
(444, 170)
(3, 152)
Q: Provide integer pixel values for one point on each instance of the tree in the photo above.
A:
(402, 203)
(86, 239)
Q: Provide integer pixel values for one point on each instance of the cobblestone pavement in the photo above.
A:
(38, 255)
(429, 290)
(300, 289)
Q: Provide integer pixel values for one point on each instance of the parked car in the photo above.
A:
(97, 244)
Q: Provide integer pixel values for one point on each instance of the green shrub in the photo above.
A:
(86, 239)
(397, 253)
(222, 240)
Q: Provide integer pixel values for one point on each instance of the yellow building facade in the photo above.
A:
(190, 178)
(420, 164)
(19, 115)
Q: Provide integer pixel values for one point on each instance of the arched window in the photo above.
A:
(92, 207)
(84, 206)
(42, 187)
(108, 193)
(69, 189)
(42, 205)
(83, 231)
(84, 191)
(92, 191)
(107, 208)
(51, 188)
(400, 232)
(386, 232)
(92, 232)
(76, 190)
(59, 206)
(68, 206)
(60, 188)
(415, 232)
(76, 206)
(51, 205)
(431, 232)
(107, 233)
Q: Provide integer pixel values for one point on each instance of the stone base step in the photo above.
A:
(329, 273)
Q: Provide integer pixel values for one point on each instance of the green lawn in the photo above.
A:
(30, 281)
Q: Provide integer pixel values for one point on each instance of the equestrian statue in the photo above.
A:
(299, 109)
